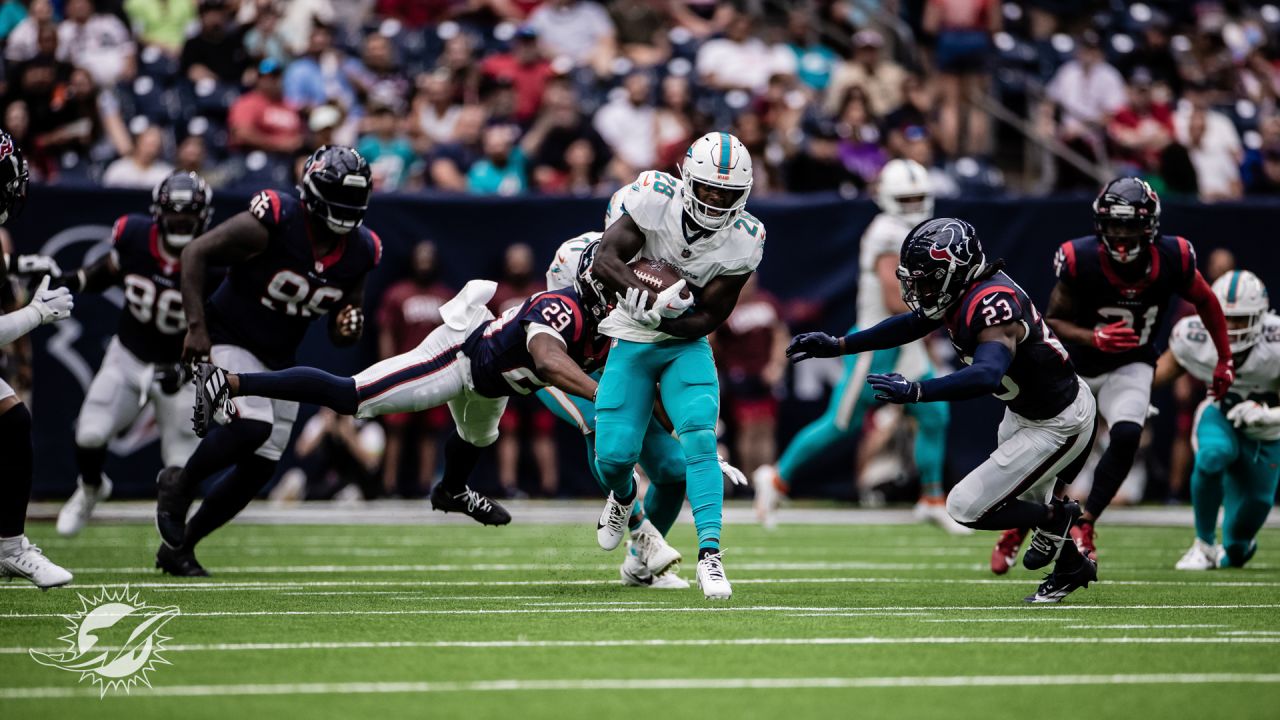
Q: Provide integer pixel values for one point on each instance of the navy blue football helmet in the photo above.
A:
(1126, 217)
(939, 259)
(335, 187)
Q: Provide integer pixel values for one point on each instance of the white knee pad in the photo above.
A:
(963, 504)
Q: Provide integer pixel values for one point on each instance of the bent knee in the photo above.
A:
(964, 506)
(1214, 458)
(1126, 436)
(92, 434)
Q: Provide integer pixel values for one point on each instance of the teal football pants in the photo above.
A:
(1237, 474)
(690, 393)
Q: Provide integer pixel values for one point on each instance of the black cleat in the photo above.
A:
(1046, 543)
(470, 503)
(212, 394)
(1058, 585)
(173, 502)
(180, 563)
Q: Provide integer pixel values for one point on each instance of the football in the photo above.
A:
(658, 275)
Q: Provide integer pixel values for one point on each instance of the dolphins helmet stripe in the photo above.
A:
(726, 149)
(1235, 281)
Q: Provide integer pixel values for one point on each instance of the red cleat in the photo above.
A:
(1005, 553)
(1082, 533)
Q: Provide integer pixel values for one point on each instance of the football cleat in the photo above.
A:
(75, 514)
(180, 563)
(935, 511)
(715, 586)
(29, 562)
(213, 399)
(768, 496)
(1046, 543)
(1058, 585)
(1201, 556)
(469, 503)
(652, 550)
(1084, 536)
(612, 523)
(669, 580)
(1005, 554)
(173, 502)
(633, 571)
(1235, 556)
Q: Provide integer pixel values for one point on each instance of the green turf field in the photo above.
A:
(529, 621)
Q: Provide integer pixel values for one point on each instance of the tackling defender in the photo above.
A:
(697, 225)
(143, 361)
(1113, 290)
(1237, 436)
(290, 261)
(1011, 353)
(906, 200)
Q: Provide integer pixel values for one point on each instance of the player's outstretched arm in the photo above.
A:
(239, 238)
(991, 359)
(554, 366)
(621, 242)
(1199, 293)
(46, 306)
(888, 333)
(103, 273)
(714, 306)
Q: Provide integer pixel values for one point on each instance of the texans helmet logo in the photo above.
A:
(951, 245)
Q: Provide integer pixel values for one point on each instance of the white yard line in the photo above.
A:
(814, 683)
(1141, 627)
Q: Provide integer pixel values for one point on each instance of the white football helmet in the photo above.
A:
(1242, 295)
(717, 160)
(904, 190)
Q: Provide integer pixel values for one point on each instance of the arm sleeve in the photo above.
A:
(990, 362)
(1210, 310)
(18, 323)
(889, 333)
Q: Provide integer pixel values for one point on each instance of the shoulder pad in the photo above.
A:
(558, 310)
(1064, 261)
(272, 209)
(374, 243)
(648, 198)
(994, 303)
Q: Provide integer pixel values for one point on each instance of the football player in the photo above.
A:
(290, 260)
(698, 225)
(142, 364)
(1113, 290)
(18, 556)
(1237, 436)
(906, 200)
(1011, 353)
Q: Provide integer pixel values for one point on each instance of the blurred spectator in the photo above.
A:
(264, 40)
(702, 18)
(39, 77)
(23, 43)
(459, 60)
(627, 124)
(450, 162)
(81, 116)
(749, 352)
(382, 79)
(916, 144)
(1087, 91)
(815, 62)
(880, 78)
(566, 154)
(143, 168)
(750, 130)
(410, 309)
(676, 122)
(1213, 143)
(1156, 55)
(327, 125)
(817, 165)
(642, 31)
(333, 452)
(322, 74)
(501, 168)
(415, 14)
(97, 42)
(916, 111)
(1141, 131)
(388, 150)
(963, 30)
(525, 414)
(782, 106)
(1266, 181)
(261, 119)
(161, 24)
(17, 122)
(12, 12)
(740, 60)
(300, 17)
(525, 68)
(192, 156)
(435, 108)
(860, 142)
(217, 52)
(1268, 137)
(578, 30)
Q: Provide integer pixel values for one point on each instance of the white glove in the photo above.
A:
(1250, 413)
(53, 305)
(36, 265)
(633, 304)
(670, 304)
(734, 475)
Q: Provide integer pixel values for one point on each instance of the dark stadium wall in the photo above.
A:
(810, 263)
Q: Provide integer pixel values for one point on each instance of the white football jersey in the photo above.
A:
(1257, 378)
(654, 202)
(564, 267)
(884, 236)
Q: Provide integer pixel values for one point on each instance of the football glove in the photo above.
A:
(669, 302)
(1223, 375)
(53, 305)
(34, 265)
(1252, 414)
(812, 345)
(1115, 338)
(894, 388)
(634, 304)
(733, 474)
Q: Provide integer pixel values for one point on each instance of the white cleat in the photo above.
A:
(715, 586)
(635, 574)
(28, 561)
(1201, 556)
(613, 523)
(936, 513)
(652, 549)
(767, 496)
(76, 513)
(669, 580)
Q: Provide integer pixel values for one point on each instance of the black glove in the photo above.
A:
(894, 388)
(811, 345)
(171, 377)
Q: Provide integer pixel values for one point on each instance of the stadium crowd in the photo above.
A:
(573, 96)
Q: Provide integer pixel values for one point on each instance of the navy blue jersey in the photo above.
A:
(153, 324)
(500, 360)
(1101, 296)
(266, 303)
(1041, 381)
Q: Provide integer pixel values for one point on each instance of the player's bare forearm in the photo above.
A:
(621, 242)
(554, 366)
(1167, 370)
(239, 238)
(715, 304)
(1061, 305)
(100, 275)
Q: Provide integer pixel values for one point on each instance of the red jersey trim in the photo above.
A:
(377, 248)
(167, 263)
(577, 314)
(1069, 253)
(117, 230)
(1104, 260)
(275, 205)
(984, 292)
(1185, 248)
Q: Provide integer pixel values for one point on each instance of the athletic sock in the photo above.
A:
(90, 461)
(224, 446)
(229, 497)
(303, 384)
(15, 481)
(1113, 467)
(460, 459)
(1014, 514)
(710, 549)
(11, 545)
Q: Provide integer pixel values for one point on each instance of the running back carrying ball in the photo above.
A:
(658, 275)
